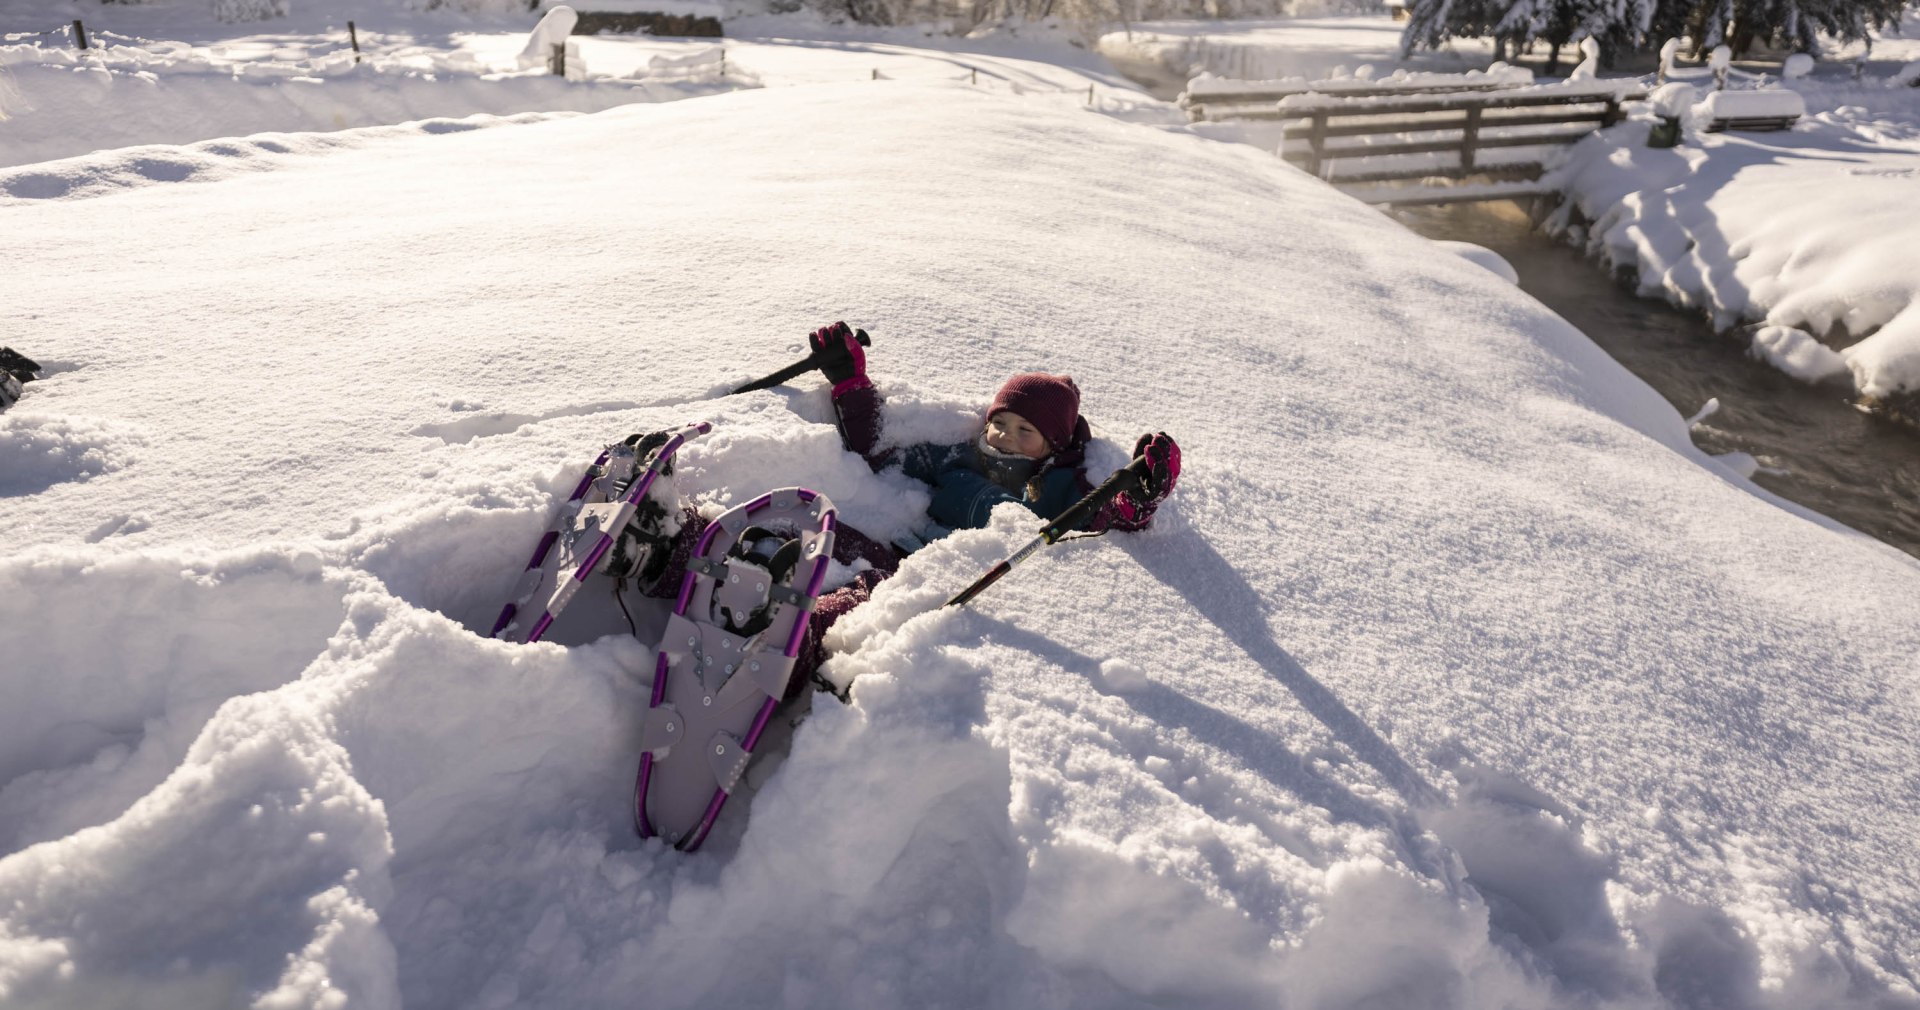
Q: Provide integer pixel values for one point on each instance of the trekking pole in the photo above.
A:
(804, 365)
(1127, 478)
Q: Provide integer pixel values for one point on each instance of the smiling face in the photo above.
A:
(1010, 433)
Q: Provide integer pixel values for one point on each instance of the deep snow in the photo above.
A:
(1453, 674)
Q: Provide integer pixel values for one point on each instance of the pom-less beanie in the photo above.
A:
(1051, 403)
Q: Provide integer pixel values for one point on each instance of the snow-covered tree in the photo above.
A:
(1790, 24)
(249, 10)
(1625, 25)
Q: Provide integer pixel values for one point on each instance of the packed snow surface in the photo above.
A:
(1452, 675)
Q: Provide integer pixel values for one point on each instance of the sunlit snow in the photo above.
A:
(1453, 674)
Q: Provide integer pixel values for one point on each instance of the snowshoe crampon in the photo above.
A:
(606, 522)
(726, 658)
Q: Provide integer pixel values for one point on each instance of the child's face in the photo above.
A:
(1011, 433)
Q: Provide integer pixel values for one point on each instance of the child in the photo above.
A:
(1031, 449)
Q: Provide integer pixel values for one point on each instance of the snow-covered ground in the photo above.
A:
(167, 73)
(1453, 675)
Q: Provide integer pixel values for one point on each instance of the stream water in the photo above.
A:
(1814, 447)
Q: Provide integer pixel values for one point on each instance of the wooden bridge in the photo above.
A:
(1359, 138)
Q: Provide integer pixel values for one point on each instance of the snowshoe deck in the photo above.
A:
(584, 533)
(726, 659)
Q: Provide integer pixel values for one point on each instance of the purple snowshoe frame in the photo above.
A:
(563, 585)
(719, 756)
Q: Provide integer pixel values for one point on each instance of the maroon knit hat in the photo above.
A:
(1050, 403)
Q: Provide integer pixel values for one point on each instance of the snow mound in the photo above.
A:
(39, 450)
(1797, 353)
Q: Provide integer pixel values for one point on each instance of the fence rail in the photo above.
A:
(1468, 125)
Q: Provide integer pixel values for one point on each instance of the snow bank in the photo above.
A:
(1452, 674)
(1482, 256)
(168, 93)
(1771, 228)
(1207, 85)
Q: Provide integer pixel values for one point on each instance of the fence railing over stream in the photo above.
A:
(1359, 135)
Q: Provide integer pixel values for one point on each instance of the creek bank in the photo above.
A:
(1569, 225)
(1811, 443)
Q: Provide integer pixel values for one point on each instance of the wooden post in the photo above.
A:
(723, 61)
(79, 34)
(876, 74)
(353, 36)
(557, 61)
(1469, 137)
(1317, 140)
(1613, 112)
(1089, 94)
(976, 75)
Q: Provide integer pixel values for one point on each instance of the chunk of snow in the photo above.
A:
(1742, 463)
(1122, 676)
(1673, 98)
(1765, 103)
(1480, 255)
(1797, 353)
(554, 28)
(1707, 409)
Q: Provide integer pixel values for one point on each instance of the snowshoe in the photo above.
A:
(726, 658)
(596, 524)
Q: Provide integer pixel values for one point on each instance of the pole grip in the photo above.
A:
(1127, 478)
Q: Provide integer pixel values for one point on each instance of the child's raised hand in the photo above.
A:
(1133, 510)
(1162, 454)
(837, 349)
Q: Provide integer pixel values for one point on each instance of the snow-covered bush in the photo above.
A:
(249, 10)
